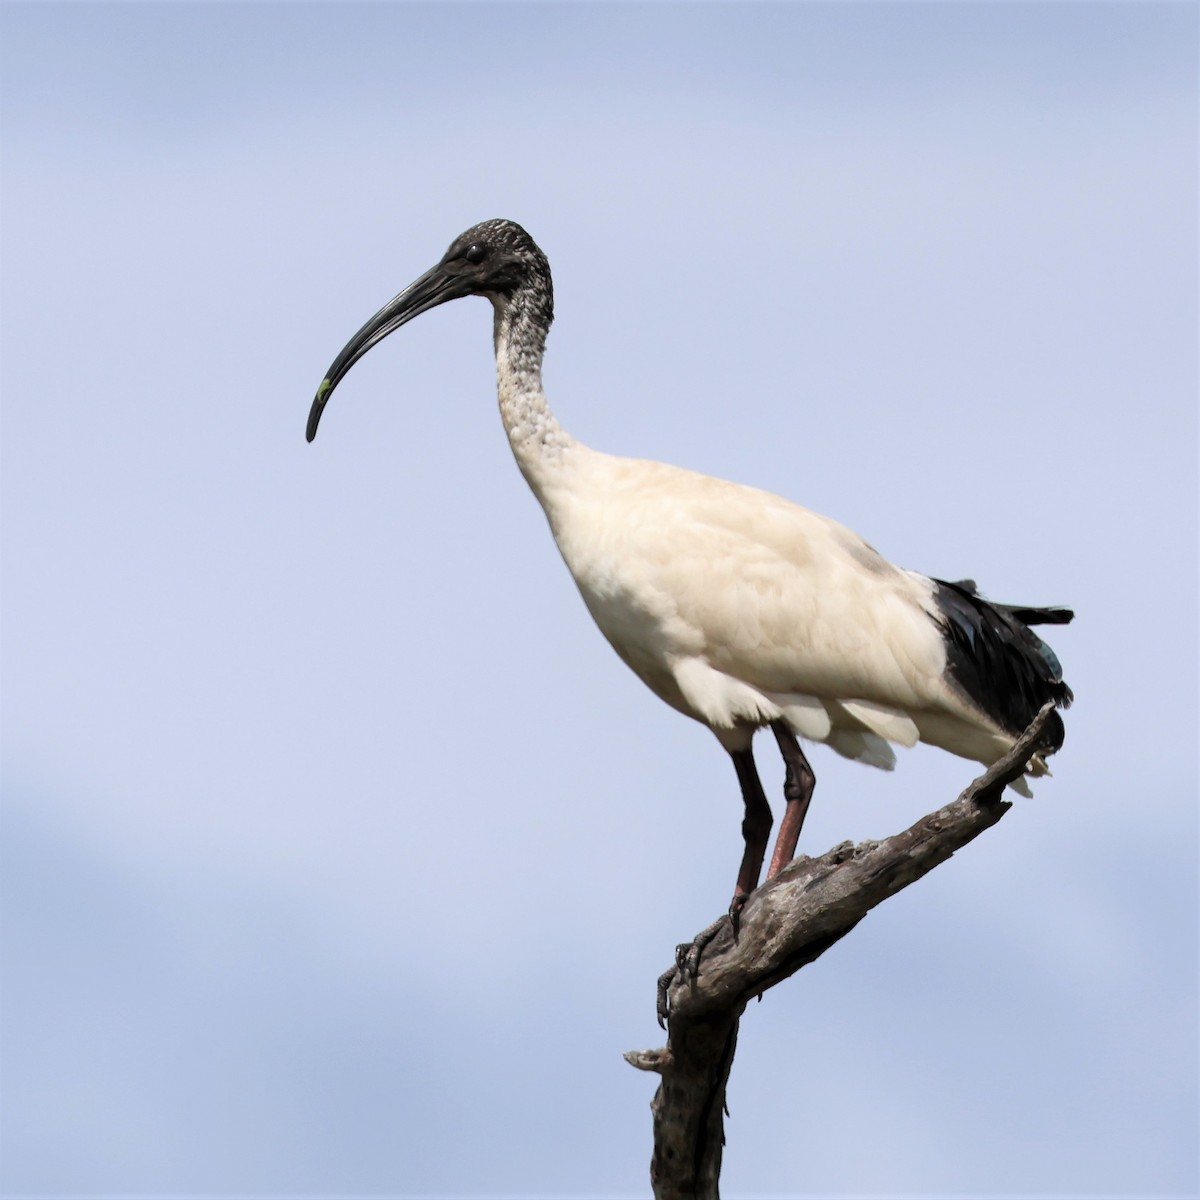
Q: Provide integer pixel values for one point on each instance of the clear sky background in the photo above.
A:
(340, 853)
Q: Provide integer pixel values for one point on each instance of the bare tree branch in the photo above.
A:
(788, 922)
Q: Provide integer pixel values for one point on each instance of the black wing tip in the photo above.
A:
(998, 662)
(1042, 616)
(1027, 615)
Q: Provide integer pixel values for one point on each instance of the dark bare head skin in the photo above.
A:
(493, 258)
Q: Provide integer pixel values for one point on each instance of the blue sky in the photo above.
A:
(340, 852)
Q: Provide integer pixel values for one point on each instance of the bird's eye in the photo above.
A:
(475, 253)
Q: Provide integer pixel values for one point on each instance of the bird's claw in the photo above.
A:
(735, 912)
(662, 1004)
(688, 954)
(684, 964)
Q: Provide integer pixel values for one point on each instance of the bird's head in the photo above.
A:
(496, 258)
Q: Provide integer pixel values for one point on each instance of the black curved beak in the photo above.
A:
(435, 287)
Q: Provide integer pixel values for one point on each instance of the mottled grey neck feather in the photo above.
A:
(540, 444)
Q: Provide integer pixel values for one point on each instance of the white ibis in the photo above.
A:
(736, 607)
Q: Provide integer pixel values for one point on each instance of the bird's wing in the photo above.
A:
(768, 592)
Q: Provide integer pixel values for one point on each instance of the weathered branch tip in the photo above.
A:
(649, 1060)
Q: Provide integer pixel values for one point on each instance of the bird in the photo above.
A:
(735, 606)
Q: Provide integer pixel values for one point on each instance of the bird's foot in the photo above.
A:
(687, 955)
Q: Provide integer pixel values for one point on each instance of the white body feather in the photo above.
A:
(738, 607)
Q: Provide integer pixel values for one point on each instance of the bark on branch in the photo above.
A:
(788, 922)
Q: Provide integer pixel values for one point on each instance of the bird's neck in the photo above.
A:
(543, 449)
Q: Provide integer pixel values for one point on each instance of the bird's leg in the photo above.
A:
(798, 787)
(756, 831)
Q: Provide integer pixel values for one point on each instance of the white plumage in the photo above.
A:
(737, 607)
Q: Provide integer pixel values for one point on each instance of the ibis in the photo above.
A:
(738, 608)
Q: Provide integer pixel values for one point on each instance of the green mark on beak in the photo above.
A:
(318, 404)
